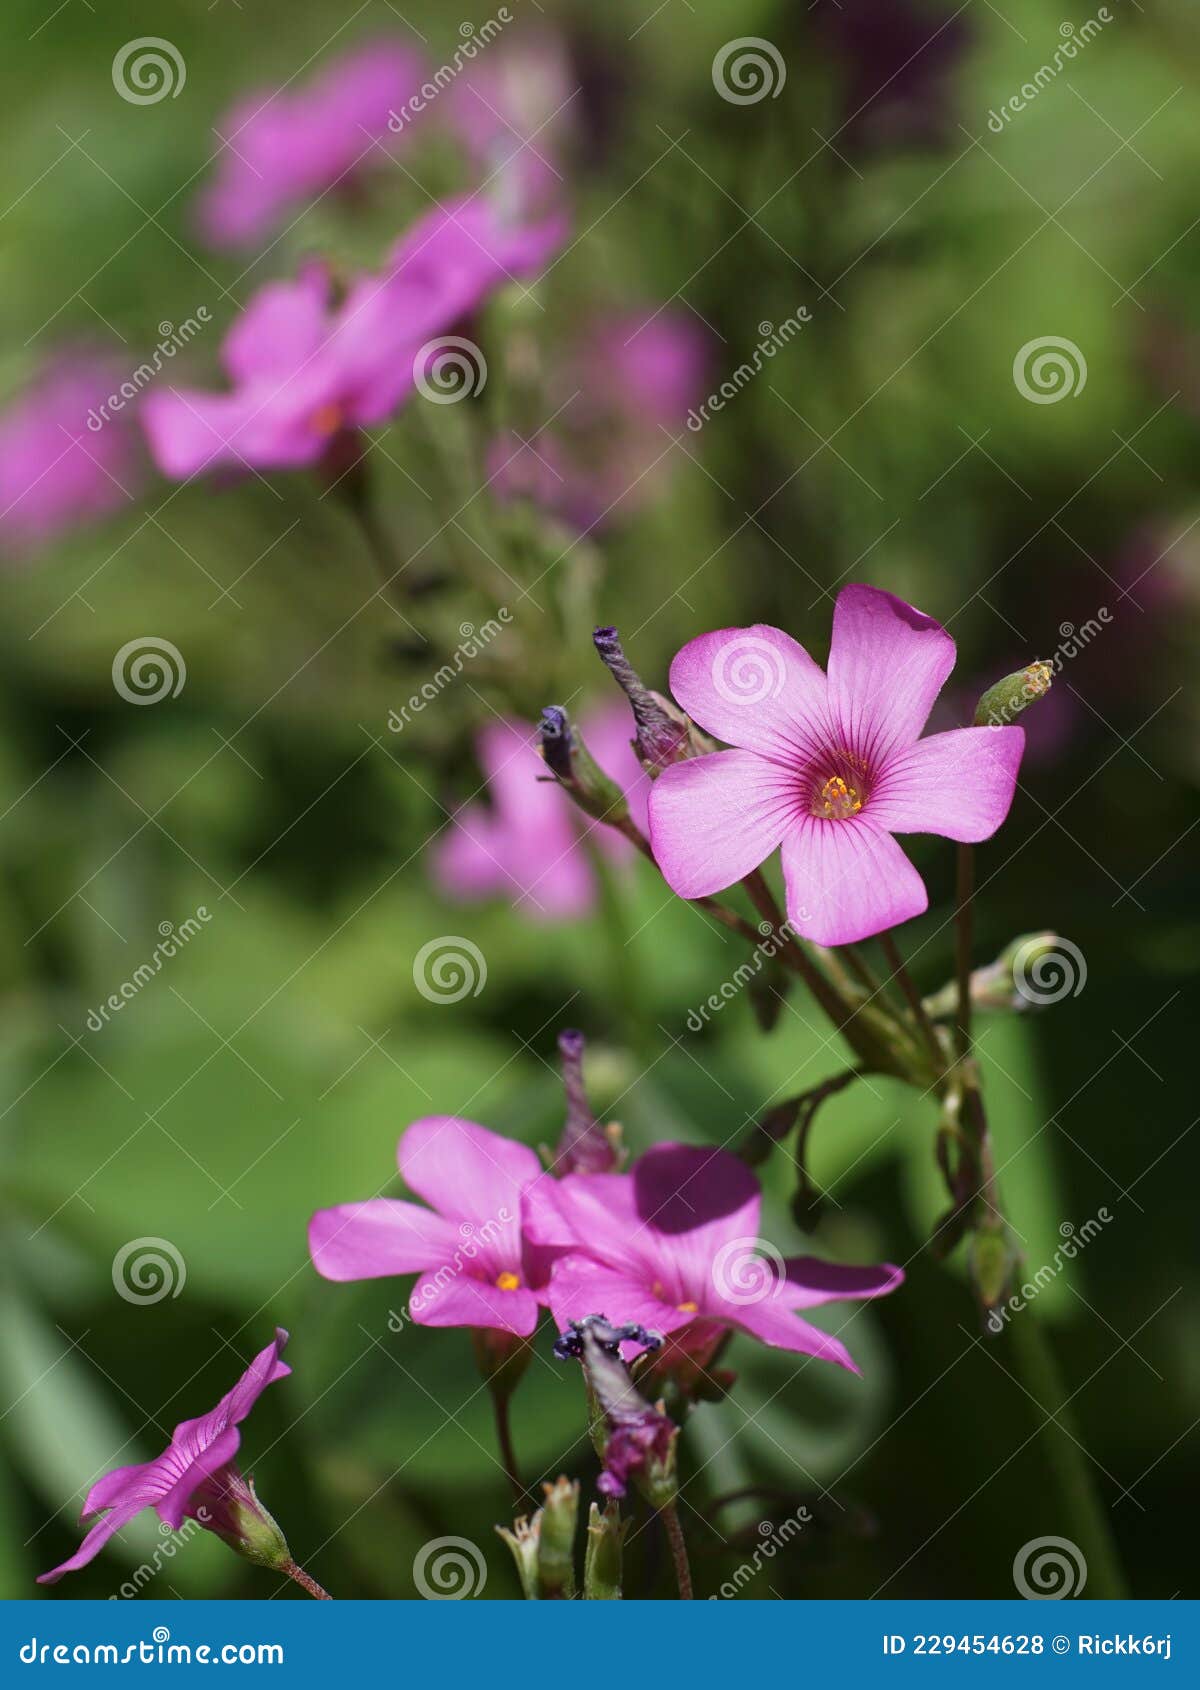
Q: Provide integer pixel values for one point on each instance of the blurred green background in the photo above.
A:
(271, 1066)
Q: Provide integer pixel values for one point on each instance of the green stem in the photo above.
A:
(1082, 1515)
(912, 997)
(508, 1457)
(965, 892)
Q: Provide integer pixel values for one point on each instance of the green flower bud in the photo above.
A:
(523, 1541)
(602, 1559)
(574, 767)
(1004, 702)
(1009, 983)
(558, 1518)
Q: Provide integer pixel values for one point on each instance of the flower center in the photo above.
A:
(507, 1281)
(688, 1308)
(839, 785)
(327, 419)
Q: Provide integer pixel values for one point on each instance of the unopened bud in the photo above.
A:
(664, 734)
(991, 1259)
(1003, 703)
(559, 1516)
(585, 1146)
(575, 769)
(1009, 983)
(635, 1441)
(602, 1559)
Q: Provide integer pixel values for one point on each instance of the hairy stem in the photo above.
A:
(669, 1515)
(305, 1581)
(913, 998)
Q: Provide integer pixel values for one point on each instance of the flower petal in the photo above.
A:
(773, 1324)
(580, 1286)
(94, 1542)
(191, 1437)
(695, 1204)
(281, 327)
(377, 1238)
(207, 1461)
(811, 1282)
(714, 819)
(847, 880)
(461, 1301)
(470, 1175)
(752, 687)
(959, 784)
(887, 664)
(122, 1484)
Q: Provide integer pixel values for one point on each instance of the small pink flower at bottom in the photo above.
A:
(527, 844)
(674, 1246)
(829, 765)
(195, 1478)
(477, 1267)
(64, 460)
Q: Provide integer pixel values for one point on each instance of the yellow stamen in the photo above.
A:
(327, 419)
(837, 800)
(507, 1281)
(688, 1308)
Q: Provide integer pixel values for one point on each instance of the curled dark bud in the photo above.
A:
(585, 1146)
(664, 734)
(575, 769)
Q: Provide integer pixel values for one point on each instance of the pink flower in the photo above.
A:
(619, 396)
(283, 149)
(829, 765)
(477, 1266)
(59, 469)
(528, 844)
(194, 1478)
(673, 1246)
(304, 367)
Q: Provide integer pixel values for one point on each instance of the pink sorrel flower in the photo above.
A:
(528, 844)
(477, 1267)
(673, 1245)
(619, 396)
(284, 148)
(195, 1478)
(63, 460)
(829, 764)
(305, 367)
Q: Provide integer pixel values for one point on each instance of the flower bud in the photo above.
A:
(1004, 702)
(574, 767)
(602, 1559)
(991, 1260)
(664, 734)
(559, 1517)
(585, 1146)
(636, 1442)
(1003, 984)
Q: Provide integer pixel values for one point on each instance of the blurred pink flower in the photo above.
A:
(527, 844)
(57, 469)
(284, 148)
(622, 391)
(194, 1478)
(476, 1266)
(305, 367)
(674, 1246)
(829, 764)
